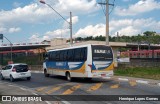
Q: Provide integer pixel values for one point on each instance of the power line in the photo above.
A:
(102, 3)
(103, 8)
(112, 7)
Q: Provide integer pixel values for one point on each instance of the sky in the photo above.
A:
(24, 21)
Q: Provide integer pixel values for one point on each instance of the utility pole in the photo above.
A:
(117, 36)
(70, 23)
(107, 19)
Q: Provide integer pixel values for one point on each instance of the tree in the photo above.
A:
(79, 38)
(149, 33)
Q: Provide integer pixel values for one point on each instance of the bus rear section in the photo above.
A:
(102, 61)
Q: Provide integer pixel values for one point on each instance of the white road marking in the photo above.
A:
(36, 71)
(34, 93)
(22, 88)
(141, 81)
(10, 85)
(48, 102)
(65, 102)
(123, 79)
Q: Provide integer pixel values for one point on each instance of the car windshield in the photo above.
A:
(21, 68)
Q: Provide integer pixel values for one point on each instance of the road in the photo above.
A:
(56, 85)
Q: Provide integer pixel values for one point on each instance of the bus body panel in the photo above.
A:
(59, 68)
(89, 62)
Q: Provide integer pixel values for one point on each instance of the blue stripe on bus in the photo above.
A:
(64, 65)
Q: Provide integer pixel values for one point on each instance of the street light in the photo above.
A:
(1, 37)
(70, 23)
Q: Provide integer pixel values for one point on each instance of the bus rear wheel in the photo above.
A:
(68, 76)
(88, 79)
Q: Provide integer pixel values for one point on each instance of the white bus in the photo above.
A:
(87, 61)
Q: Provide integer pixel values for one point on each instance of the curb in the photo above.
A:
(121, 79)
(137, 81)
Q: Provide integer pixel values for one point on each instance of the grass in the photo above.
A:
(141, 72)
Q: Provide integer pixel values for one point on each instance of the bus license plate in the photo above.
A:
(103, 75)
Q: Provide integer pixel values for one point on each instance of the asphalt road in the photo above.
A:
(56, 85)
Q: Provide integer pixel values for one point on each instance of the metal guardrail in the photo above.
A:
(24, 44)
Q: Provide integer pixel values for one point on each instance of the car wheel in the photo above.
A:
(11, 78)
(2, 78)
(28, 78)
(68, 76)
(45, 73)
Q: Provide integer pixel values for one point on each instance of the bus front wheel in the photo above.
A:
(68, 76)
(45, 73)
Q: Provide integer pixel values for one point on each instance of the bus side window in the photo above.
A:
(70, 55)
(84, 54)
(49, 56)
(53, 56)
(57, 56)
(77, 56)
(61, 58)
(65, 55)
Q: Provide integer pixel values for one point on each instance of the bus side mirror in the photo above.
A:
(45, 56)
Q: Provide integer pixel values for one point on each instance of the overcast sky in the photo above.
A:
(30, 21)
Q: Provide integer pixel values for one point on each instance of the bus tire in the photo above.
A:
(45, 73)
(68, 76)
(88, 79)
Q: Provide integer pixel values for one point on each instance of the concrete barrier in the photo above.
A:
(36, 67)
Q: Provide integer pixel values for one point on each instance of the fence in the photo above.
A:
(140, 64)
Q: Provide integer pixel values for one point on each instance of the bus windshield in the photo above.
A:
(101, 53)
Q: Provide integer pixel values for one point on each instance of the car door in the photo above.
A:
(8, 70)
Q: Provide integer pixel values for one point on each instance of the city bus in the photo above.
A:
(86, 61)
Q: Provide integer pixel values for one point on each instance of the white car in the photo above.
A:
(15, 71)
